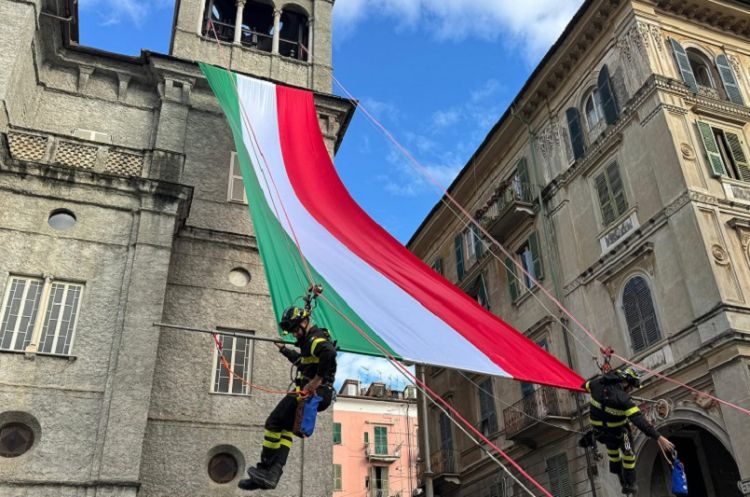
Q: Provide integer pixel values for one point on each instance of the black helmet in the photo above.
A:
(292, 317)
(630, 375)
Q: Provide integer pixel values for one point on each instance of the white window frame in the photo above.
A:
(248, 359)
(230, 185)
(43, 313)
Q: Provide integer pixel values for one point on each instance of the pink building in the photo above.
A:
(374, 441)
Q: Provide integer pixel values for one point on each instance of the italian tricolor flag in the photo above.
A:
(300, 208)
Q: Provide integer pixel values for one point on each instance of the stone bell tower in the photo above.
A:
(288, 41)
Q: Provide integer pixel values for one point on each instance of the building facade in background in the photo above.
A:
(120, 207)
(620, 180)
(375, 441)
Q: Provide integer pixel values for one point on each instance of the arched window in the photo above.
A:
(257, 26)
(702, 68)
(593, 109)
(294, 34)
(640, 315)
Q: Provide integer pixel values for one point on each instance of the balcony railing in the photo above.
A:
(382, 453)
(543, 404)
(221, 30)
(508, 206)
(444, 462)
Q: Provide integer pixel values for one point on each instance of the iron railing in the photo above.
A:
(504, 198)
(543, 403)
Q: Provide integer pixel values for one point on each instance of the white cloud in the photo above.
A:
(368, 369)
(531, 25)
(117, 11)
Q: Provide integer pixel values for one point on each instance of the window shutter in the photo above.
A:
(607, 97)
(559, 476)
(616, 188)
(640, 314)
(740, 159)
(730, 82)
(477, 240)
(337, 433)
(510, 270)
(438, 265)
(522, 170)
(482, 293)
(459, 244)
(576, 132)
(536, 255)
(683, 63)
(712, 149)
(605, 201)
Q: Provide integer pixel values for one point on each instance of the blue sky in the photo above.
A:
(437, 73)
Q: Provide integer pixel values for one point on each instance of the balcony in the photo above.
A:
(509, 206)
(382, 454)
(524, 419)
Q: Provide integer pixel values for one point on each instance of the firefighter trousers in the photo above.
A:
(620, 453)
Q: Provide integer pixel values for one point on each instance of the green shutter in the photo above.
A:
(337, 433)
(337, 477)
(482, 293)
(458, 242)
(510, 270)
(683, 63)
(477, 239)
(729, 80)
(607, 96)
(712, 149)
(605, 200)
(576, 132)
(381, 440)
(536, 256)
(616, 189)
(524, 179)
(367, 438)
(738, 154)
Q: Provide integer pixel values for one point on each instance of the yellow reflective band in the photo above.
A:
(595, 404)
(309, 360)
(286, 443)
(271, 445)
(628, 458)
(615, 424)
(596, 423)
(614, 452)
(628, 465)
(315, 344)
(633, 410)
(587, 386)
(614, 459)
(287, 434)
(272, 434)
(614, 412)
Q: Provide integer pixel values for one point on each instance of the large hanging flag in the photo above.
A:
(301, 210)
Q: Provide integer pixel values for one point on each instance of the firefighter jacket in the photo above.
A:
(612, 408)
(316, 357)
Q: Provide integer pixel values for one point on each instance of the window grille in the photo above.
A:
(23, 328)
(238, 353)
(640, 314)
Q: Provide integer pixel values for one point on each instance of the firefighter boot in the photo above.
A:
(267, 457)
(628, 486)
(267, 474)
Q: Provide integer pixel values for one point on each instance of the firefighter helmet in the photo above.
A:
(630, 375)
(292, 317)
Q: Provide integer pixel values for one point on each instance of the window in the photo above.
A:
(293, 35)
(530, 256)
(336, 477)
(697, 69)
(237, 191)
(559, 476)
(576, 132)
(336, 433)
(23, 325)
(726, 154)
(478, 291)
(473, 239)
(257, 26)
(487, 412)
(640, 314)
(15, 439)
(438, 265)
(379, 482)
(593, 110)
(446, 432)
(607, 96)
(458, 244)
(701, 67)
(381, 440)
(611, 193)
(222, 468)
(220, 15)
(61, 219)
(237, 354)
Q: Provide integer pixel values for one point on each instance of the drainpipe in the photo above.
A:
(552, 257)
(424, 428)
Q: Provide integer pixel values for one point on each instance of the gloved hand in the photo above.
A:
(312, 386)
(280, 346)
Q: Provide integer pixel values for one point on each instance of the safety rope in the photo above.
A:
(446, 195)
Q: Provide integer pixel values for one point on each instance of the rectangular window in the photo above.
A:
(236, 185)
(379, 481)
(458, 244)
(530, 257)
(336, 477)
(381, 440)
(233, 365)
(725, 151)
(23, 325)
(559, 476)
(487, 412)
(446, 432)
(337, 433)
(611, 193)
(438, 265)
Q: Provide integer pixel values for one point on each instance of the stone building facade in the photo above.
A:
(120, 208)
(619, 178)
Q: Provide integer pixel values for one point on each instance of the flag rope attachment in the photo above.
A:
(446, 195)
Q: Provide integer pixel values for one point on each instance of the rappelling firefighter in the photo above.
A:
(611, 412)
(316, 369)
